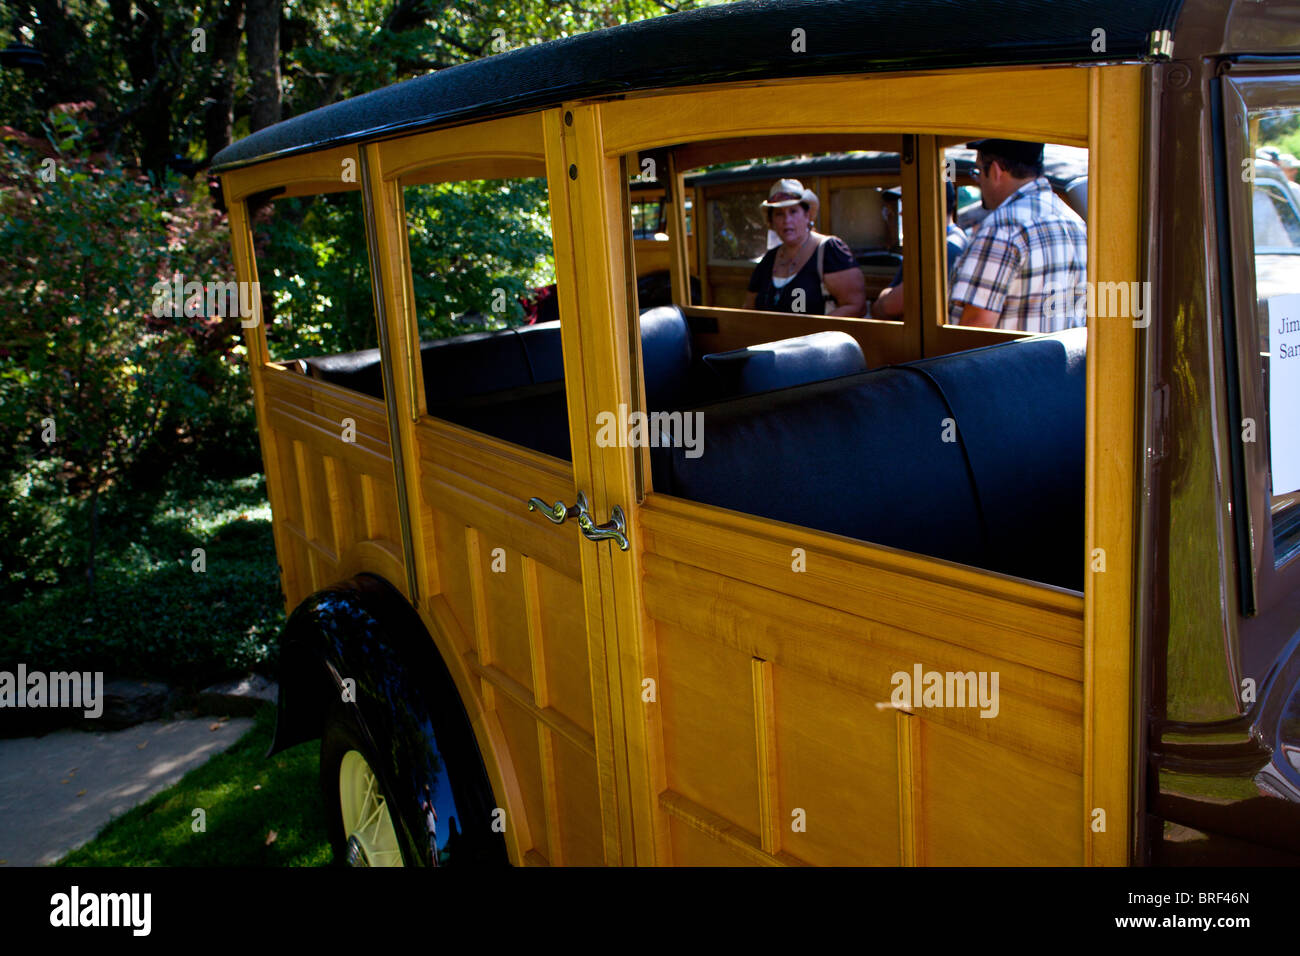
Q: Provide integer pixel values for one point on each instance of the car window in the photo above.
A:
(767, 407)
(484, 292)
(314, 273)
(1275, 230)
(1277, 226)
(737, 232)
(648, 220)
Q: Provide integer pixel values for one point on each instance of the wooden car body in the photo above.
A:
(725, 690)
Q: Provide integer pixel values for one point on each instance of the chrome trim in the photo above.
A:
(386, 366)
(615, 529)
(357, 853)
(556, 513)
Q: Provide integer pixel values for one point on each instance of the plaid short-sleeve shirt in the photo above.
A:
(1027, 260)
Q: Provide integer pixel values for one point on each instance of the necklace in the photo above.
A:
(790, 261)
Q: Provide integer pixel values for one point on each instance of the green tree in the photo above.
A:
(90, 378)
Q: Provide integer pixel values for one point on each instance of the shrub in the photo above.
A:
(91, 381)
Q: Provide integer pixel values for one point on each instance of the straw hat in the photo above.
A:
(791, 192)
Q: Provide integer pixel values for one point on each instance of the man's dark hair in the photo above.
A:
(1018, 170)
(1020, 159)
(1016, 166)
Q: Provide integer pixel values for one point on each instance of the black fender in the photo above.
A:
(405, 705)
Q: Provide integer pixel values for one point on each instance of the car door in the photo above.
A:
(751, 659)
(516, 602)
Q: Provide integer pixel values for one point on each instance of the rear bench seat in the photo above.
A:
(864, 456)
(510, 383)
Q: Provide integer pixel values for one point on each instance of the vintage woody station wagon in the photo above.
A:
(654, 587)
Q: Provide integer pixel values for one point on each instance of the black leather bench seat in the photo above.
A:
(864, 456)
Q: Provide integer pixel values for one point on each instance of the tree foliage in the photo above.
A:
(90, 379)
(122, 95)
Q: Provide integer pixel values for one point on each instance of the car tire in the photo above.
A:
(358, 810)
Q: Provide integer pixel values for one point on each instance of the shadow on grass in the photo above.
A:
(258, 812)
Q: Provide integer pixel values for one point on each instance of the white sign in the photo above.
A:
(1284, 391)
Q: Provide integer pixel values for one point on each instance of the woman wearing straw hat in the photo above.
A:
(807, 272)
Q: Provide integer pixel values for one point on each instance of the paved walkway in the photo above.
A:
(58, 791)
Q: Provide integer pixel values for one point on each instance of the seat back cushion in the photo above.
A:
(787, 362)
(359, 371)
(534, 416)
(666, 355)
(865, 456)
(1020, 412)
(541, 344)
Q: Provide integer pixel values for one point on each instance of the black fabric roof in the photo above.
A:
(734, 41)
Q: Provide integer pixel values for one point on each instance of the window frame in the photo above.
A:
(1263, 582)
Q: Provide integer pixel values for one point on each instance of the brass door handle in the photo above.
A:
(615, 529)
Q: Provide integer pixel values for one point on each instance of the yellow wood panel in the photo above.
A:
(986, 806)
(506, 613)
(568, 670)
(381, 557)
(341, 494)
(710, 837)
(839, 764)
(521, 737)
(706, 705)
(910, 789)
(321, 172)
(522, 696)
(291, 551)
(1050, 102)
(882, 342)
(1114, 170)
(336, 496)
(1027, 623)
(587, 216)
(578, 808)
(692, 846)
(453, 574)
(467, 151)
(769, 783)
(503, 517)
(1040, 713)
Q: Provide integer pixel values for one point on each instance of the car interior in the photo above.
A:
(941, 455)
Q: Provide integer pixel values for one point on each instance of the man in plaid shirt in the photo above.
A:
(1026, 266)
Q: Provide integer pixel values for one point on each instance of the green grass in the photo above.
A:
(152, 615)
(239, 819)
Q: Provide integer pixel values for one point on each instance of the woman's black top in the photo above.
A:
(768, 298)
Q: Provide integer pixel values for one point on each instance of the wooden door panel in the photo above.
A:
(775, 701)
(707, 714)
(982, 805)
(837, 761)
(577, 798)
(505, 588)
(335, 500)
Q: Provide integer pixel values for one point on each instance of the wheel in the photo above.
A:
(357, 809)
